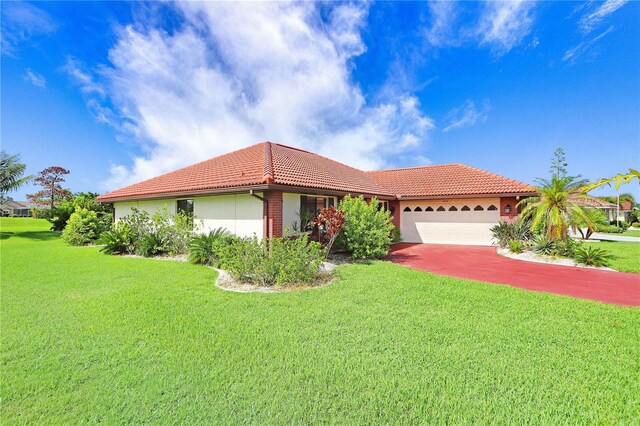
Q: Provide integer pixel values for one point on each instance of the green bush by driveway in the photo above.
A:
(88, 337)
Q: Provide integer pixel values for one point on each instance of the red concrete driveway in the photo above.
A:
(484, 264)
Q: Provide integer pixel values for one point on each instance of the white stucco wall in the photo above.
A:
(239, 213)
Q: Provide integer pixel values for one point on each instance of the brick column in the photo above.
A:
(513, 213)
(272, 227)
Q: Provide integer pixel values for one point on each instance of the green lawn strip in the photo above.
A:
(88, 337)
(632, 233)
(626, 255)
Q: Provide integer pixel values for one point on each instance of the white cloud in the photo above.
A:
(504, 24)
(20, 22)
(443, 17)
(466, 115)
(584, 48)
(237, 74)
(592, 19)
(35, 78)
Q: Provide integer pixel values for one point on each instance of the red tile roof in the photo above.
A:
(589, 201)
(263, 163)
(271, 163)
(447, 180)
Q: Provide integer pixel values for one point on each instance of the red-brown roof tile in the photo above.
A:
(447, 180)
(258, 164)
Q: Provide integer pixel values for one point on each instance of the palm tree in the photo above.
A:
(556, 206)
(11, 171)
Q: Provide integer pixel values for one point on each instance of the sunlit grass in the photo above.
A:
(88, 337)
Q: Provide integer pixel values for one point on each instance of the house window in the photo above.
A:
(407, 209)
(428, 209)
(185, 206)
(492, 208)
(417, 209)
(478, 208)
(453, 209)
(315, 204)
(383, 205)
(440, 209)
(465, 209)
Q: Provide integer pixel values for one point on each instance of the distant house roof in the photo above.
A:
(265, 163)
(447, 180)
(595, 202)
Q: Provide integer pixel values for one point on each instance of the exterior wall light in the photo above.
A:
(507, 208)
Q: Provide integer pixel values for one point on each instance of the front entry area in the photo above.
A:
(463, 221)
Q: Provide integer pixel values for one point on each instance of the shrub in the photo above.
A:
(566, 248)
(118, 240)
(83, 228)
(516, 246)
(396, 237)
(636, 224)
(59, 216)
(622, 224)
(273, 261)
(505, 232)
(151, 244)
(592, 256)
(204, 248)
(542, 245)
(367, 229)
(609, 229)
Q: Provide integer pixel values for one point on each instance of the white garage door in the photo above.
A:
(452, 222)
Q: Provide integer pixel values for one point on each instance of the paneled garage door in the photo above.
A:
(449, 222)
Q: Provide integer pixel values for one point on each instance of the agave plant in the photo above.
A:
(542, 245)
(592, 256)
(202, 248)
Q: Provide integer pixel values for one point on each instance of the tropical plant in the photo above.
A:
(203, 248)
(565, 248)
(329, 222)
(556, 207)
(504, 232)
(118, 240)
(541, 244)
(11, 173)
(596, 218)
(367, 229)
(516, 246)
(618, 179)
(592, 256)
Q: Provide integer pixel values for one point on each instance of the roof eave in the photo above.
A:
(493, 195)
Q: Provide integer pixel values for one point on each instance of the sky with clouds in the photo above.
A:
(119, 92)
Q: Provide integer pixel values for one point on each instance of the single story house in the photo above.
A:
(589, 202)
(260, 190)
(17, 208)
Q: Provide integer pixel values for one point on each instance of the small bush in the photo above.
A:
(566, 248)
(151, 244)
(118, 240)
(82, 228)
(275, 261)
(636, 224)
(59, 216)
(622, 224)
(204, 248)
(505, 232)
(592, 256)
(542, 245)
(367, 229)
(516, 246)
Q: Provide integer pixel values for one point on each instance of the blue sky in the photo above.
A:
(118, 92)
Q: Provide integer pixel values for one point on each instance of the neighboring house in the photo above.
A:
(589, 202)
(260, 190)
(16, 208)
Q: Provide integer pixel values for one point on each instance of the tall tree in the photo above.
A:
(50, 179)
(11, 173)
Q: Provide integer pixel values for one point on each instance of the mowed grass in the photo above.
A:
(88, 337)
(632, 233)
(626, 255)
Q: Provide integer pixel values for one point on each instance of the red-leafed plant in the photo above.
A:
(329, 223)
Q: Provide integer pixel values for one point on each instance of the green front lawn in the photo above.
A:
(88, 337)
(632, 233)
(626, 255)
